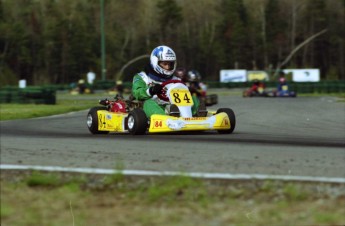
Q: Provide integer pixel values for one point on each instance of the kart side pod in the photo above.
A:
(101, 121)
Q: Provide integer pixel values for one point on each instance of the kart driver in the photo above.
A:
(147, 84)
(257, 87)
(192, 79)
(195, 85)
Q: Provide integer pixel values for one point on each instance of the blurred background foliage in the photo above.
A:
(58, 41)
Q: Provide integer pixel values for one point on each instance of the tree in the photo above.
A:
(170, 16)
(234, 34)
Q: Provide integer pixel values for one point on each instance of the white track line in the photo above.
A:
(171, 173)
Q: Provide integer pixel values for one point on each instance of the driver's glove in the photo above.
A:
(156, 89)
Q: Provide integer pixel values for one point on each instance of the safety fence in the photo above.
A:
(36, 95)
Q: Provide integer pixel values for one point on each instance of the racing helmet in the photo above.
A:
(181, 73)
(282, 80)
(163, 53)
(193, 76)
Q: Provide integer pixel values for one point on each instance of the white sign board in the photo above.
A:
(233, 75)
(304, 75)
(22, 83)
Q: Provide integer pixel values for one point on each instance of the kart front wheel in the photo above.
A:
(92, 120)
(232, 118)
(137, 122)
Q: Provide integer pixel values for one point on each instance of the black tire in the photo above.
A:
(137, 122)
(214, 98)
(232, 118)
(92, 120)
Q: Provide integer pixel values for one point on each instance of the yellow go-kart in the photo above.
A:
(127, 116)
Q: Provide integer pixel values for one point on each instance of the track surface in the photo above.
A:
(302, 136)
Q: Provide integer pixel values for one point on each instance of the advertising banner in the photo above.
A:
(304, 75)
(233, 75)
(259, 75)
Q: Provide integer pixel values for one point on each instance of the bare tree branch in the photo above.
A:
(288, 58)
(120, 73)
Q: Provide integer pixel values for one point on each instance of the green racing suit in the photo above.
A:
(152, 104)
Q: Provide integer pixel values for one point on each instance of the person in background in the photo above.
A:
(81, 86)
(119, 88)
(258, 88)
(196, 87)
(192, 79)
(91, 76)
(182, 74)
(147, 85)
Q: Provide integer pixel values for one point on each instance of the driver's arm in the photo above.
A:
(139, 88)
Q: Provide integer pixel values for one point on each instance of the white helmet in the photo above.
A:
(193, 76)
(163, 53)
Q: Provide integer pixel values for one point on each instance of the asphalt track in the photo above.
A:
(303, 136)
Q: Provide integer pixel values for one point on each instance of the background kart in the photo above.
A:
(284, 93)
(269, 93)
(123, 116)
(259, 93)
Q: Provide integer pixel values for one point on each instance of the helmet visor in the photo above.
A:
(167, 65)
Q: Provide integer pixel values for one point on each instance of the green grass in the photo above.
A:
(75, 199)
(65, 103)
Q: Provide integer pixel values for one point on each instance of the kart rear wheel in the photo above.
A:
(232, 118)
(92, 120)
(137, 122)
(211, 99)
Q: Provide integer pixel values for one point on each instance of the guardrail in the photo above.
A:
(36, 95)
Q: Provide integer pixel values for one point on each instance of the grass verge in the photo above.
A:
(65, 103)
(40, 198)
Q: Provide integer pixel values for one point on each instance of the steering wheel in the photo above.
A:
(163, 95)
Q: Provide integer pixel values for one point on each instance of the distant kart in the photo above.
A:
(261, 92)
(211, 99)
(283, 92)
(128, 116)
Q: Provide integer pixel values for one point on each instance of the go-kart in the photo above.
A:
(208, 99)
(127, 115)
(211, 99)
(260, 92)
(284, 92)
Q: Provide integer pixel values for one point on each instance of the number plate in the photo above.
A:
(181, 97)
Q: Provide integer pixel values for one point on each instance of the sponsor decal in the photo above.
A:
(195, 118)
(109, 126)
(170, 54)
